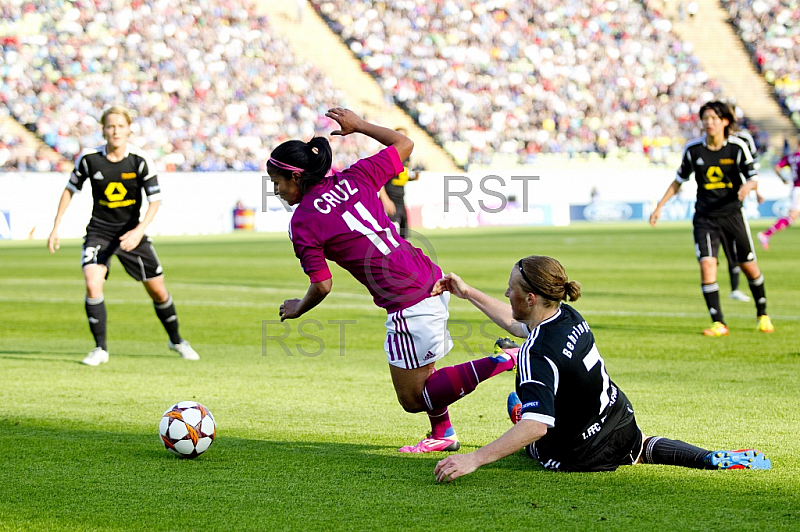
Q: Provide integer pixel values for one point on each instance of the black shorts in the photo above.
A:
(141, 263)
(711, 231)
(622, 447)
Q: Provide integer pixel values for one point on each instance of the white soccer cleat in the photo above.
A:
(184, 350)
(738, 295)
(96, 356)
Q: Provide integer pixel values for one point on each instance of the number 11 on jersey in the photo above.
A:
(358, 225)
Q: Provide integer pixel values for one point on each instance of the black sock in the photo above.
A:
(711, 294)
(659, 450)
(759, 294)
(169, 318)
(735, 271)
(96, 313)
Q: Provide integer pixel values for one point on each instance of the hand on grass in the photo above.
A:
(454, 466)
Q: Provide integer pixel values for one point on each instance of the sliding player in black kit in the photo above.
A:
(567, 413)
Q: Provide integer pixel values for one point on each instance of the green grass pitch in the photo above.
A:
(308, 440)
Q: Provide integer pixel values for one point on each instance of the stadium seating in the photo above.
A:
(770, 31)
(523, 78)
(212, 87)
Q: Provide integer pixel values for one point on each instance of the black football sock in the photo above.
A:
(663, 451)
(96, 313)
(759, 294)
(711, 294)
(735, 271)
(169, 318)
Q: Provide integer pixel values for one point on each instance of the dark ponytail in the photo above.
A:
(312, 159)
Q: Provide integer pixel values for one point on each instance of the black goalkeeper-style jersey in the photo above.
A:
(562, 382)
(116, 187)
(719, 174)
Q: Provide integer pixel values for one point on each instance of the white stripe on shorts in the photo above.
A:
(417, 336)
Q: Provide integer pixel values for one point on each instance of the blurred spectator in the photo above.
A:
(771, 33)
(523, 78)
(16, 156)
(212, 84)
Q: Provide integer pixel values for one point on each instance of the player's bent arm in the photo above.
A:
(350, 122)
(150, 213)
(779, 170)
(53, 241)
(388, 204)
(747, 188)
(294, 308)
(671, 191)
(132, 238)
(523, 433)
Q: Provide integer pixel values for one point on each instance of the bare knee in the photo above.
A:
(411, 404)
(93, 292)
(94, 287)
(157, 290)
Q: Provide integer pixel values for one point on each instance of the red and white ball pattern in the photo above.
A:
(187, 429)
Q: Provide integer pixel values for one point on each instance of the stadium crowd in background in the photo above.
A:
(487, 79)
(211, 85)
(15, 155)
(771, 34)
(525, 78)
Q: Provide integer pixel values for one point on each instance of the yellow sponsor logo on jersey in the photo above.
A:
(117, 204)
(726, 161)
(714, 178)
(115, 192)
(128, 175)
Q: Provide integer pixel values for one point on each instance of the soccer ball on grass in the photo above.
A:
(187, 429)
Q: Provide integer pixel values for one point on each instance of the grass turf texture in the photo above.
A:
(310, 442)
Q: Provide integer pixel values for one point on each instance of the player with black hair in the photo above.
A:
(723, 168)
(338, 217)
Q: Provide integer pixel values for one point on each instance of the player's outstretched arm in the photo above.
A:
(53, 242)
(294, 308)
(496, 310)
(457, 465)
(349, 122)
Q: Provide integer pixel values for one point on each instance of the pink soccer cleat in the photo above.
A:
(764, 240)
(431, 445)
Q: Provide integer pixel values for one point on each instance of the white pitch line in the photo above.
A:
(332, 305)
(191, 286)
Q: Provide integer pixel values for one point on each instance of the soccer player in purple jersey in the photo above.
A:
(792, 161)
(338, 216)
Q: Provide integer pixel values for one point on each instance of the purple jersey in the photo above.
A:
(793, 162)
(343, 220)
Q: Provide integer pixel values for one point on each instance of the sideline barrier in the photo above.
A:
(203, 203)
